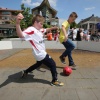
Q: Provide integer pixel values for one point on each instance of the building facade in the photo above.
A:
(89, 23)
(47, 12)
(6, 16)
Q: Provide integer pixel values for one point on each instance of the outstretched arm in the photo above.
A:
(52, 28)
(19, 17)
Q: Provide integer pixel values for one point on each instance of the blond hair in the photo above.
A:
(38, 18)
(73, 14)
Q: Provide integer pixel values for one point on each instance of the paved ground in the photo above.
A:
(82, 84)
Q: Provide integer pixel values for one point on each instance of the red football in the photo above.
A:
(67, 70)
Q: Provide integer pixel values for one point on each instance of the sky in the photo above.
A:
(84, 8)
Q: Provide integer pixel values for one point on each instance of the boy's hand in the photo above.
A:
(66, 37)
(55, 28)
(19, 17)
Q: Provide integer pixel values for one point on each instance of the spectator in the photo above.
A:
(85, 34)
(79, 35)
(56, 35)
(74, 34)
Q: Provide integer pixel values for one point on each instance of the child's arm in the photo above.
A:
(19, 17)
(65, 33)
(52, 28)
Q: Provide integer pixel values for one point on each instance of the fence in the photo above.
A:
(82, 45)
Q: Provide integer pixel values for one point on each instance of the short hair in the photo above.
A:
(73, 14)
(38, 18)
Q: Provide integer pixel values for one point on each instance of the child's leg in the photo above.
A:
(49, 62)
(33, 67)
(69, 45)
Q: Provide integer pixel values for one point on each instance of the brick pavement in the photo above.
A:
(82, 84)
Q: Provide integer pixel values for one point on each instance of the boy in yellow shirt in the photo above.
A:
(68, 44)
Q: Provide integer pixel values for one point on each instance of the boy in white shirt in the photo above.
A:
(34, 35)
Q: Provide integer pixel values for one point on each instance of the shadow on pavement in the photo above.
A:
(62, 74)
(17, 79)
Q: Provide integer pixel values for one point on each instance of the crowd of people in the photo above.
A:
(79, 34)
(76, 34)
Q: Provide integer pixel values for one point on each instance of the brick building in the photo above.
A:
(6, 28)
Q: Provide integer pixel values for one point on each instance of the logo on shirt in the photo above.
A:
(42, 41)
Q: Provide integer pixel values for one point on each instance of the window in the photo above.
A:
(6, 13)
(3, 22)
(90, 26)
(5, 18)
(35, 12)
(48, 23)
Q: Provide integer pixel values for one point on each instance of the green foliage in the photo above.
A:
(46, 25)
(78, 25)
(27, 21)
(74, 24)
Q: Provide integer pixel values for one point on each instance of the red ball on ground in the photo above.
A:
(67, 70)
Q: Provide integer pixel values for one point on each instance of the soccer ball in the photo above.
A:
(67, 70)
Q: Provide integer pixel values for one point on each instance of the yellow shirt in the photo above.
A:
(62, 36)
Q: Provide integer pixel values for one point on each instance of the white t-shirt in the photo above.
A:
(35, 37)
(74, 33)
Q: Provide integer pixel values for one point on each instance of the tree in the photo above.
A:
(73, 25)
(46, 25)
(27, 21)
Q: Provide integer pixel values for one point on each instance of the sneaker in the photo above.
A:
(73, 67)
(57, 83)
(24, 74)
(62, 60)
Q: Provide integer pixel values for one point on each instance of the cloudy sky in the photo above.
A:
(84, 8)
